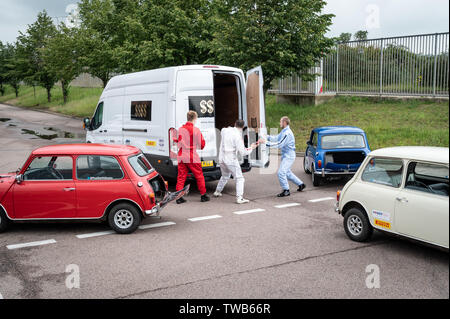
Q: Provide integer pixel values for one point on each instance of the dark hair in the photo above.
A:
(239, 124)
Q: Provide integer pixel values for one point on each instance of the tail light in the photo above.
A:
(173, 143)
(167, 184)
(338, 195)
(319, 164)
(152, 198)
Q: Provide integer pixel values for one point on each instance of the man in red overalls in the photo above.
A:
(189, 140)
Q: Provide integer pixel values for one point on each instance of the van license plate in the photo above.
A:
(207, 163)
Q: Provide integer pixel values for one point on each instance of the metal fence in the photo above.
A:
(416, 65)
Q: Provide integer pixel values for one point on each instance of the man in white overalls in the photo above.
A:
(231, 144)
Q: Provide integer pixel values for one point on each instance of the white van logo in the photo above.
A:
(203, 105)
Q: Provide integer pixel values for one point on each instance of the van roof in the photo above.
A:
(160, 75)
(418, 153)
(86, 149)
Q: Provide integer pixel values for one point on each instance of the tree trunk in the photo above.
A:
(49, 95)
(65, 91)
(16, 90)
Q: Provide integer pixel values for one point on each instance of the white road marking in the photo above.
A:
(196, 219)
(320, 199)
(156, 225)
(257, 210)
(102, 233)
(32, 244)
(287, 205)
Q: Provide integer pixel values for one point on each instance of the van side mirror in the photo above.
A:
(19, 178)
(86, 123)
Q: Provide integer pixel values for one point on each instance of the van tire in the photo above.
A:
(4, 221)
(124, 218)
(357, 225)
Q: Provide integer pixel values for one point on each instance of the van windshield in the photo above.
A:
(140, 164)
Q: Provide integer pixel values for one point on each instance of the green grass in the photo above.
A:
(386, 123)
(81, 101)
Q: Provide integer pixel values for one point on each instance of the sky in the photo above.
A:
(381, 18)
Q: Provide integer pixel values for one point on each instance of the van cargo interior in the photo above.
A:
(226, 99)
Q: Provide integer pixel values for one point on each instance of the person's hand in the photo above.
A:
(262, 140)
(253, 146)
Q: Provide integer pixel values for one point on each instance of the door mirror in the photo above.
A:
(86, 123)
(19, 178)
(309, 143)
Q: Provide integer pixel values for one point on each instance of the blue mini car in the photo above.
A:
(335, 151)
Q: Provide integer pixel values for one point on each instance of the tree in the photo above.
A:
(129, 35)
(361, 35)
(2, 68)
(61, 55)
(345, 37)
(286, 37)
(29, 53)
(13, 75)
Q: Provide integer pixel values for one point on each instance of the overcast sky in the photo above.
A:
(380, 17)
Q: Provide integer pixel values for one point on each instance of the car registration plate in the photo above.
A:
(207, 163)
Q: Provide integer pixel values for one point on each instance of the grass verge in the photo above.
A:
(387, 122)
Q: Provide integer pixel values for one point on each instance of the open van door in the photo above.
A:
(256, 116)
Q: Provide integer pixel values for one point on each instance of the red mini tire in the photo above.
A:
(4, 221)
(124, 218)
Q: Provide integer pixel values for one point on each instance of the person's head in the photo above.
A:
(284, 121)
(192, 116)
(239, 124)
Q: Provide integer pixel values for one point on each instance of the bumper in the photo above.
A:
(325, 173)
(156, 210)
(336, 208)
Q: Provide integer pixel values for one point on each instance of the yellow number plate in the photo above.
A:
(151, 143)
(207, 163)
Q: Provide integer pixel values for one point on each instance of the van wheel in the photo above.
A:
(357, 225)
(305, 167)
(124, 218)
(4, 221)
(316, 179)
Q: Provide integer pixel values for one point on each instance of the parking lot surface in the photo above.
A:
(292, 247)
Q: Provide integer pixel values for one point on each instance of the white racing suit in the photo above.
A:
(232, 144)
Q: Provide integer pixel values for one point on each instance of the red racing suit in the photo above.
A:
(189, 140)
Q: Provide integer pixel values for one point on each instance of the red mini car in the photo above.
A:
(85, 182)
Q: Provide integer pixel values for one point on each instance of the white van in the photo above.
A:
(146, 109)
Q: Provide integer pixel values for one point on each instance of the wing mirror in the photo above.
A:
(19, 178)
(309, 143)
(86, 123)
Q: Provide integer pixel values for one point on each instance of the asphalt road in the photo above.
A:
(270, 251)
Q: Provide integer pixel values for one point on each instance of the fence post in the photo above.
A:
(337, 68)
(381, 67)
(435, 64)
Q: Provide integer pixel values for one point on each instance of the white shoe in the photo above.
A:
(242, 200)
(217, 194)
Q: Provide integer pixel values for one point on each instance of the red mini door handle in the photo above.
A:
(69, 189)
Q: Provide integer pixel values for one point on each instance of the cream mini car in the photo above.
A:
(400, 190)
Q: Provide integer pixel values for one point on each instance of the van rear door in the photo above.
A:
(256, 116)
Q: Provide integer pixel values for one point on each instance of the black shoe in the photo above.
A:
(284, 193)
(205, 198)
(181, 200)
(301, 187)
